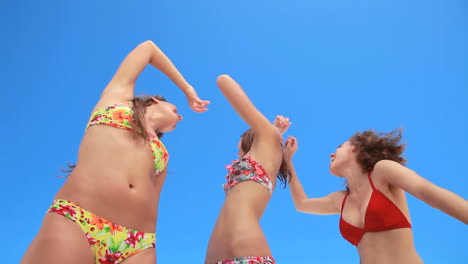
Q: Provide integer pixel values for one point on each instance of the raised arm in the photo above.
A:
(400, 176)
(243, 106)
(327, 205)
(121, 87)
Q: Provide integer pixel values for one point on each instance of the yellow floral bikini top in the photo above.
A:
(120, 115)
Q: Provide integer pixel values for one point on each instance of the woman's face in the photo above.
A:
(343, 156)
(163, 116)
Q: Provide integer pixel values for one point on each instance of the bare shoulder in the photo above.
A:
(267, 147)
(384, 169)
(337, 198)
(270, 141)
(394, 174)
(387, 165)
(270, 135)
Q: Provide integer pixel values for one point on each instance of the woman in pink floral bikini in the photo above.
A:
(237, 237)
(107, 209)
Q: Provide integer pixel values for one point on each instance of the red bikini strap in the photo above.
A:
(370, 179)
(344, 200)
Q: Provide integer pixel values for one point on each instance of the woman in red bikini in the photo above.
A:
(107, 209)
(374, 212)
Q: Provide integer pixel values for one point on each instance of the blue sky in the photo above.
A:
(334, 67)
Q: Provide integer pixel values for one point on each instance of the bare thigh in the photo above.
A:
(147, 256)
(59, 240)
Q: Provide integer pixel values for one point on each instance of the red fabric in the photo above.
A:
(381, 215)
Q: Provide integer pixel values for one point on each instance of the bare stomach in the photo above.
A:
(237, 232)
(131, 205)
(240, 240)
(389, 247)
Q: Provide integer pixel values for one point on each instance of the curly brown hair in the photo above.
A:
(246, 143)
(373, 147)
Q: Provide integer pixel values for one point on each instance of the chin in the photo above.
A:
(169, 129)
(334, 172)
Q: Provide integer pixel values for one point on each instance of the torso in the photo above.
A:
(395, 243)
(388, 247)
(237, 231)
(107, 181)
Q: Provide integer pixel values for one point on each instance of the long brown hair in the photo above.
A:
(138, 124)
(246, 144)
(139, 105)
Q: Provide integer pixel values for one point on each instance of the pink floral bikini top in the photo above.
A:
(246, 169)
(119, 116)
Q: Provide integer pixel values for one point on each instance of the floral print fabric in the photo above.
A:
(120, 116)
(248, 260)
(111, 243)
(117, 115)
(246, 169)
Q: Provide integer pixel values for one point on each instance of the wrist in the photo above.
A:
(189, 91)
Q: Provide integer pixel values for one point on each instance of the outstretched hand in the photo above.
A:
(290, 147)
(198, 105)
(281, 123)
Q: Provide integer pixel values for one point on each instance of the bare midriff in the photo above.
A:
(237, 232)
(115, 178)
(388, 247)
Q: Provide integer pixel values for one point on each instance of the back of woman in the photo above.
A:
(237, 236)
(252, 198)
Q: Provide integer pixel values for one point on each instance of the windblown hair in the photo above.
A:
(246, 144)
(139, 105)
(373, 147)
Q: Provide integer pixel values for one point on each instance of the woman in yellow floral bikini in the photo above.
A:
(109, 203)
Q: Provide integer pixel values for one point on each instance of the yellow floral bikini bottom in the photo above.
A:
(111, 243)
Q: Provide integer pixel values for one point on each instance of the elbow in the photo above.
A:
(148, 45)
(299, 207)
(222, 79)
(299, 210)
(148, 42)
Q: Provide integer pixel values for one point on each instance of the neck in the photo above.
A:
(356, 179)
(151, 126)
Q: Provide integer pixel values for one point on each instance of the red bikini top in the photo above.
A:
(381, 215)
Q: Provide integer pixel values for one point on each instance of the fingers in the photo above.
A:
(292, 142)
(282, 121)
(199, 106)
(200, 110)
(203, 102)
